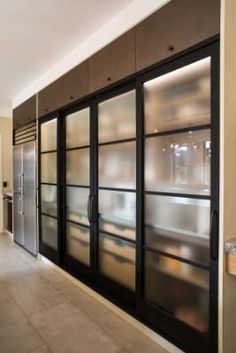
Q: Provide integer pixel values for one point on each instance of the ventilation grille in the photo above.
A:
(25, 134)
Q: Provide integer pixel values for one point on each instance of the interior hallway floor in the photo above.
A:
(42, 311)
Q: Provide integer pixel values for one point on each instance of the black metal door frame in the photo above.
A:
(168, 326)
(166, 323)
(44, 249)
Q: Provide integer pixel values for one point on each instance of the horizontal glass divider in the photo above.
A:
(44, 183)
(77, 186)
(118, 236)
(49, 151)
(116, 189)
(117, 141)
(177, 131)
(47, 215)
(178, 258)
(78, 224)
(118, 257)
(175, 194)
(77, 148)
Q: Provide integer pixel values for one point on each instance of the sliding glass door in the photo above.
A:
(48, 188)
(78, 197)
(180, 199)
(135, 172)
(117, 189)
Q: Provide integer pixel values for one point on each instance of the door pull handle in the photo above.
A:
(214, 235)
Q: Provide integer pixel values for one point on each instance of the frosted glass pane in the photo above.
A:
(181, 98)
(77, 167)
(179, 163)
(117, 118)
(117, 165)
(77, 241)
(181, 289)
(117, 260)
(49, 135)
(49, 199)
(77, 200)
(117, 213)
(49, 231)
(178, 226)
(49, 168)
(77, 128)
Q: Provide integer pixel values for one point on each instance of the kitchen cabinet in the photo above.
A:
(112, 63)
(68, 88)
(50, 98)
(24, 113)
(75, 83)
(176, 26)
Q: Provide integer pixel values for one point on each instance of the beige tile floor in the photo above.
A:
(41, 311)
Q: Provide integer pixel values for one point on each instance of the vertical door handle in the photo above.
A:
(90, 207)
(214, 235)
(19, 182)
(22, 184)
(19, 206)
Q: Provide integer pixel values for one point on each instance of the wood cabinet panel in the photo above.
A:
(75, 83)
(50, 98)
(112, 63)
(24, 113)
(68, 88)
(175, 27)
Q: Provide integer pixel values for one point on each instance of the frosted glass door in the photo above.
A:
(117, 188)
(78, 185)
(49, 184)
(177, 192)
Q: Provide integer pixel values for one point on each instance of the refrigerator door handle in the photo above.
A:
(20, 205)
(214, 235)
(22, 184)
(19, 182)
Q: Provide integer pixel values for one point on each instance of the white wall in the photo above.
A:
(125, 20)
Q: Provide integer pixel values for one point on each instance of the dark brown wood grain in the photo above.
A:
(24, 113)
(112, 63)
(68, 88)
(176, 26)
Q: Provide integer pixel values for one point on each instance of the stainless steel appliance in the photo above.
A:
(24, 186)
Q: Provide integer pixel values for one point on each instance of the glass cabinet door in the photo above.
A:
(117, 188)
(77, 154)
(48, 185)
(177, 192)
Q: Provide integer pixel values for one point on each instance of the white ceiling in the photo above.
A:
(34, 35)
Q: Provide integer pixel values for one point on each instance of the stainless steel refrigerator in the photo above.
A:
(24, 187)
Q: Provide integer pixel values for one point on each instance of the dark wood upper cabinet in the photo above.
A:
(75, 83)
(50, 98)
(112, 63)
(68, 88)
(24, 113)
(175, 27)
